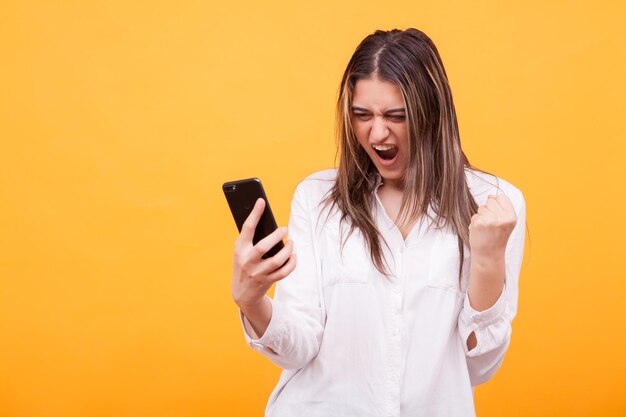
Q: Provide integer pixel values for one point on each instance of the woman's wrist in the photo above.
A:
(258, 315)
(254, 309)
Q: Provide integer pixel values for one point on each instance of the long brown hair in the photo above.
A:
(435, 172)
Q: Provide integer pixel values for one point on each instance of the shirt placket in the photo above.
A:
(394, 371)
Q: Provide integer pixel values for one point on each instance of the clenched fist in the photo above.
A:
(491, 227)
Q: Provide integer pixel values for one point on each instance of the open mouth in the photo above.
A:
(386, 152)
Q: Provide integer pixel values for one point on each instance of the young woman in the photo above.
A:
(404, 287)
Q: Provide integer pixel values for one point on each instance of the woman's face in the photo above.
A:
(379, 122)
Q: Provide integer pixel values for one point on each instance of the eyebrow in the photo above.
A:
(397, 110)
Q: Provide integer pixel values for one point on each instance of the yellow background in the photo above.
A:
(119, 121)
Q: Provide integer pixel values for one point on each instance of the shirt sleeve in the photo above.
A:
(294, 333)
(492, 327)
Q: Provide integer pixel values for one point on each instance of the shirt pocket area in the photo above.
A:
(347, 263)
(444, 263)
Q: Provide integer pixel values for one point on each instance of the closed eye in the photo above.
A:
(396, 117)
(362, 116)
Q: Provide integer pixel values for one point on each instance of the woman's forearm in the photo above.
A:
(486, 280)
(259, 315)
(486, 285)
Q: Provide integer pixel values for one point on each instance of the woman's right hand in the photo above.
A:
(252, 275)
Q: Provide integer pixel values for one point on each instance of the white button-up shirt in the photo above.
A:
(353, 342)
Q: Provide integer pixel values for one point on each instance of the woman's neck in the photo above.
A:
(393, 185)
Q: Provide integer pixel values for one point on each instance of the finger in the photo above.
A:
(475, 219)
(484, 210)
(275, 262)
(249, 226)
(269, 241)
(505, 202)
(284, 271)
(493, 204)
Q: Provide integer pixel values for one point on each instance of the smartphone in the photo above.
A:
(241, 196)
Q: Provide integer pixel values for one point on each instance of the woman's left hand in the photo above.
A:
(490, 228)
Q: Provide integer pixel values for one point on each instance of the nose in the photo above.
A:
(379, 131)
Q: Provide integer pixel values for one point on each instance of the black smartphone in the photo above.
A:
(241, 196)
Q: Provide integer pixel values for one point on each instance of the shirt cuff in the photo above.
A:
(483, 318)
(483, 324)
(269, 343)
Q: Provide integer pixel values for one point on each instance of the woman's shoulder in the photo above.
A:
(312, 191)
(312, 201)
(481, 184)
